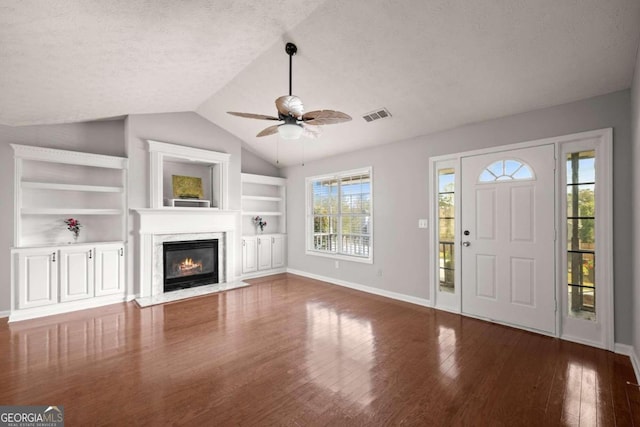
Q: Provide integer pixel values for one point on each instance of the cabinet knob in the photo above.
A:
(121, 252)
(90, 253)
(53, 257)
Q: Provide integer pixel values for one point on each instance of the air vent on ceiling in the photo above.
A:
(378, 114)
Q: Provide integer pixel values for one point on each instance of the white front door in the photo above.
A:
(507, 235)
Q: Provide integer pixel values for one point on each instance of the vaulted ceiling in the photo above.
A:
(433, 64)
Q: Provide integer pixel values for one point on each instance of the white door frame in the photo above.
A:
(604, 238)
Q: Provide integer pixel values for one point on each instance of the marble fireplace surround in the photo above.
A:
(157, 278)
(155, 226)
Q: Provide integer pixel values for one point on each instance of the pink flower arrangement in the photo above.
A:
(73, 225)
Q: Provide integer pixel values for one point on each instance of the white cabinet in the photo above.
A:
(37, 278)
(109, 270)
(249, 254)
(76, 273)
(277, 251)
(53, 279)
(264, 252)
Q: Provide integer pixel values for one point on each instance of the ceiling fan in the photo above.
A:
(291, 112)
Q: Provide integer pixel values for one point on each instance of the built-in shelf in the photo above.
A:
(70, 187)
(262, 213)
(263, 198)
(69, 211)
(51, 186)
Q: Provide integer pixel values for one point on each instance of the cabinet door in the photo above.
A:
(277, 251)
(109, 269)
(264, 252)
(76, 273)
(37, 278)
(249, 254)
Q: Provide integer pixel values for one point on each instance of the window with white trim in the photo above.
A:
(339, 215)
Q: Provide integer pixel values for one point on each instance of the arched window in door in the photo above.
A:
(506, 170)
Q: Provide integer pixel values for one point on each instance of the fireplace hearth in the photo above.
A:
(190, 263)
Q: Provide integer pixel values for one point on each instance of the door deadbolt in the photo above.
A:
(466, 232)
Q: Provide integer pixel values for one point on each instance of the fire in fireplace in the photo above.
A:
(190, 263)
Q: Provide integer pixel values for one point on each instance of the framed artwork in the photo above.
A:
(187, 187)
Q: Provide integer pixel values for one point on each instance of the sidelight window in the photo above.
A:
(581, 232)
(446, 229)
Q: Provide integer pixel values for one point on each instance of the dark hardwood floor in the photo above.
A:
(295, 351)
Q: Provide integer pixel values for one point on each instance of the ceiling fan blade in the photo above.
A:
(325, 117)
(290, 105)
(268, 131)
(311, 132)
(252, 116)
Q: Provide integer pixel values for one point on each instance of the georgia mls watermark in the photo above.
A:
(31, 416)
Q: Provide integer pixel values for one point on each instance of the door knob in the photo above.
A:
(466, 244)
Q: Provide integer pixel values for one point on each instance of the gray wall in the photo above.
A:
(106, 137)
(400, 174)
(187, 129)
(635, 132)
(252, 163)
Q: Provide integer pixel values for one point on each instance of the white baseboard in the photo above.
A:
(5, 313)
(263, 273)
(448, 309)
(65, 307)
(583, 341)
(628, 350)
(368, 289)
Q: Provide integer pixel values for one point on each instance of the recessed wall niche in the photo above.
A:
(170, 159)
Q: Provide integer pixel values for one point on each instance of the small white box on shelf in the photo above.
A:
(188, 203)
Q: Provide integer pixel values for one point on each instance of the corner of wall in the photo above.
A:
(635, 148)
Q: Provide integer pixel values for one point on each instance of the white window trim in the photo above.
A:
(309, 217)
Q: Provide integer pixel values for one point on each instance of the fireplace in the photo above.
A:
(190, 263)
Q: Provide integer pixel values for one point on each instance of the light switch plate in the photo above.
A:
(423, 223)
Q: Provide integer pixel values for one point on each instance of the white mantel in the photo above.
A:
(151, 222)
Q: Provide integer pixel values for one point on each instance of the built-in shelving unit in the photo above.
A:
(51, 272)
(53, 185)
(264, 252)
(263, 196)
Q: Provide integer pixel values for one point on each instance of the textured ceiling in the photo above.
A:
(434, 64)
(65, 60)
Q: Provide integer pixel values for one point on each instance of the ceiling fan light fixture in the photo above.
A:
(291, 112)
(290, 131)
